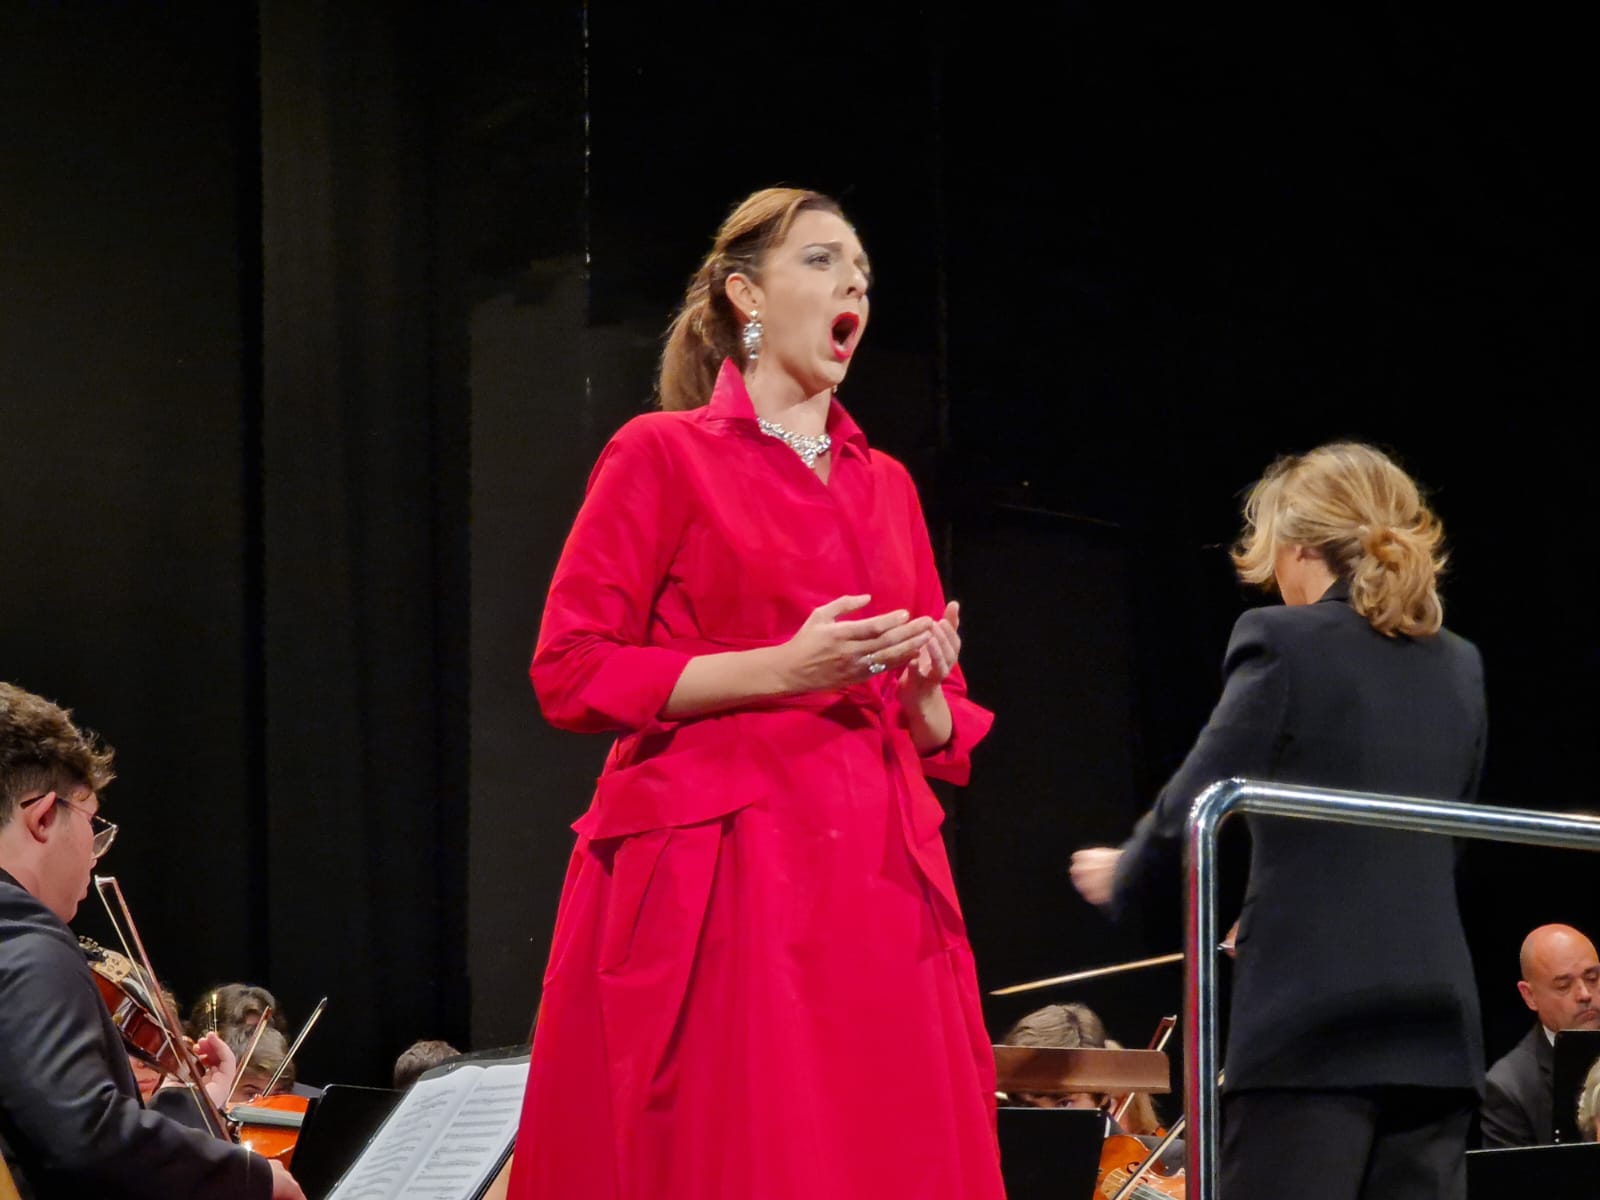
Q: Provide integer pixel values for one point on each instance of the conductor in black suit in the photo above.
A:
(1355, 1054)
(1561, 982)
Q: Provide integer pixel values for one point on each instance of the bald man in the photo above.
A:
(1561, 982)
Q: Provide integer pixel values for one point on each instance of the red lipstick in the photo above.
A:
(845, 331)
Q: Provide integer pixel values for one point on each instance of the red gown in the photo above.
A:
(760, 986)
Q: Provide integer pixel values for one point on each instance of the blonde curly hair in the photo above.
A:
(1368, 520)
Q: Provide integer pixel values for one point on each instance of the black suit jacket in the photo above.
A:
(1518, 1104)
(1352, 968)
(71, 1121)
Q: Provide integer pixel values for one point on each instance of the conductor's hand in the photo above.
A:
(283, 1185)
(830, 652)
(1094, 873)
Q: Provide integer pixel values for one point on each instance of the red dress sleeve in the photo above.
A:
(593, 669)
(969, 722)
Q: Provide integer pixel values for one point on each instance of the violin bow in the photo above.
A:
(294, 1046)
(170, 1025)
(1160, 960)
(244, 1061)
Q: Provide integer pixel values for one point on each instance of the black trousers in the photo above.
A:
(1387, 1143)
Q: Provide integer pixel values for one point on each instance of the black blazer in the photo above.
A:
(1352, 967)
(1518, 1104)
(71, 1121)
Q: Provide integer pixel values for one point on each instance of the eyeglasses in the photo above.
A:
(104, 831)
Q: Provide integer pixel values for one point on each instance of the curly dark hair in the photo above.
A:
(41, 749)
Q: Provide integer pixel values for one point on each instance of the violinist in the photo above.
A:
(231, 1006)
(1355, 1049)
(72, 1122)
(418, 1057)
(265, 1060)
(1066, 1027)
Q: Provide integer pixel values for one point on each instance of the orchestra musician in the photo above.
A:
(234, 1006)
(266, 1057)
(1561, 983)
(72, 1123)
(1589, 1105)
(1068, 1026)
(1355, 1055)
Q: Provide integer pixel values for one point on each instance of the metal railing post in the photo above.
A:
(1220, 801)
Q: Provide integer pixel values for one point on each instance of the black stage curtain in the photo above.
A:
(363, 593)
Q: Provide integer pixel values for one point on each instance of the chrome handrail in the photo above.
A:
(1220, 801)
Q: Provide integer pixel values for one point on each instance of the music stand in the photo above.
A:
(1575, 1052)
(1517, 1172)
(1055, 1152)
(1057, 1071)
(338, 1124)
(1048, 1153)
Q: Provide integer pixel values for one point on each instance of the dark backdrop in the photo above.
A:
(316, 316)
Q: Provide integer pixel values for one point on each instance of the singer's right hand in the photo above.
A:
(828, 653)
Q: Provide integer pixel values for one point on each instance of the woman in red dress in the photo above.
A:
(760, 986)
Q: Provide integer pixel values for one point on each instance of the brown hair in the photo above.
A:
(232, 1006)
(41, 749)
(1368, 520)
(419, 1057)
(1066, 1026)
(269, 1053)
(706, 328)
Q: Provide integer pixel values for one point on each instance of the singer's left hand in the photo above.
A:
(934, 662)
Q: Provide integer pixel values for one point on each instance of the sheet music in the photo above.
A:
(446, 1139)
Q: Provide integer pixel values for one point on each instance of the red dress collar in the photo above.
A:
(730, 401)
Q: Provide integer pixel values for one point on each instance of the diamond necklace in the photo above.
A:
(808, 448)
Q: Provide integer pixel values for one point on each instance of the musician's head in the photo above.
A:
(1589, 1105)
(51, 775)
(147, 1077)
(1561, 978)
(233, 1008)
(257, 1072)
(1065, 1027)
(419, 1057)
(1346, 511)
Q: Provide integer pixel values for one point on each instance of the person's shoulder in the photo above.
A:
(1459, 648)
(34, 942)
(1267, 623)
(887, 467)
(1516, 1062)
(654, 437)
(657, 426)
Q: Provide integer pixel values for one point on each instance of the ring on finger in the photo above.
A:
(873, 666)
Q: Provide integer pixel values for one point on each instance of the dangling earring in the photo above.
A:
(751, 336)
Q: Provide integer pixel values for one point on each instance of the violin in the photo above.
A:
(270, 1125)
(123, 981)
(1122, 1155)
(127, 997)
